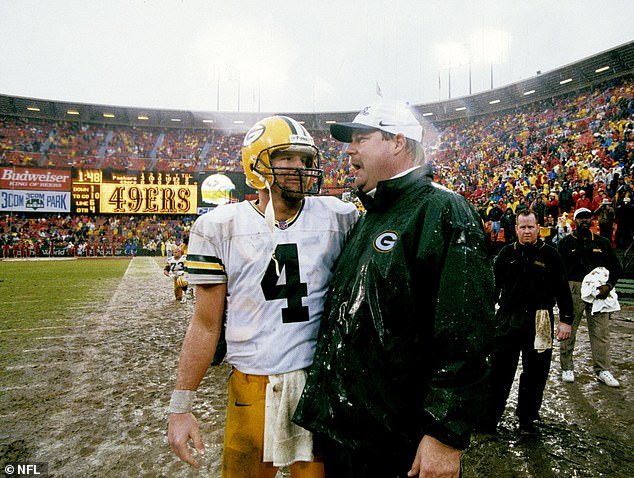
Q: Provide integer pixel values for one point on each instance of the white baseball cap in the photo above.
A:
(581, 210)
(390, 116)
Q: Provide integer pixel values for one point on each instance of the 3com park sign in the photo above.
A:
(34, 189)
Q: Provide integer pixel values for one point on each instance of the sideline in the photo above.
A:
(37, 259)
(64, 258)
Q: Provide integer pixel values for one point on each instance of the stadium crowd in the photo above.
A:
(81, 235)
(553, 156)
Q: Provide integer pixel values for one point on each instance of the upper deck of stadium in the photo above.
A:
(611, 64)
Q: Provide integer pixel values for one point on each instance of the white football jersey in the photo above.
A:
(176, 266)
(276, 280)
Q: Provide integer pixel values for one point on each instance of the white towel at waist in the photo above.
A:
(589, 291)
(285, 442)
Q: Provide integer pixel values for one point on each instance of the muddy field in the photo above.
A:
(90, 400)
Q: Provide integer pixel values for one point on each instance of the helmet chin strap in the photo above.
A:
(269, 217)
(269, 210)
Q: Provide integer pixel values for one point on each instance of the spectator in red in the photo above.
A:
(552, 205)
(583, 201)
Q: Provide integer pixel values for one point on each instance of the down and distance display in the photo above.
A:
(101, 191)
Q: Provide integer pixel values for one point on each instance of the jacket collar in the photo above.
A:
(581, 235)
(389, 190)
(527, 247)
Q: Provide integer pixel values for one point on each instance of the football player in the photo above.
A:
(175, 269)
(268, 262)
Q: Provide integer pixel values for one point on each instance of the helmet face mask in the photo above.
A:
(309, 177)
(274, 136)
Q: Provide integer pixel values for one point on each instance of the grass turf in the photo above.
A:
(39, 298)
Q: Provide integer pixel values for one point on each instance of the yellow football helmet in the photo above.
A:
(280, 133)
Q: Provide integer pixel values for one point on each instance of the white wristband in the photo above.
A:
(182, 401)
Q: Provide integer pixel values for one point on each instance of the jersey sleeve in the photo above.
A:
(204, 253)
(345, 212)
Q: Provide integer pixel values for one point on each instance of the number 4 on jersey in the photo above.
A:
(286, 258)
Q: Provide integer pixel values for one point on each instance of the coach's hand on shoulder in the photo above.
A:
(180, 429)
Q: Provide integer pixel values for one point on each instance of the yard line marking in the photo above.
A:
(40, 301)
(50, 337)
(44, 328)
(20, 387)
(44, 349)
(32, 365)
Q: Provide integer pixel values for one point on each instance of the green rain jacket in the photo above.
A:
(402, 347)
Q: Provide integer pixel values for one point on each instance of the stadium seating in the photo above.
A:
(582, 139)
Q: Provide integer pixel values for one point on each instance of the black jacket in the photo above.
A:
(531, 277)
(582, 253)
(401, 349)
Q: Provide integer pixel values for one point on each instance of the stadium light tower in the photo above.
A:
(217, 73)
(452, 54)
(490, 47)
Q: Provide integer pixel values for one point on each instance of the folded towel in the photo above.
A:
(543, 331)
(284, 442)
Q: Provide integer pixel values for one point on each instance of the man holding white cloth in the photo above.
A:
(583, 251)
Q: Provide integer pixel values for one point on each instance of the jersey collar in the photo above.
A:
(281, 225)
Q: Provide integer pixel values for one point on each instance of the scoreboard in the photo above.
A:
(96, 191)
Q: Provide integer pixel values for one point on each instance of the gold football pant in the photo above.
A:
(244, 433)
(180, 286)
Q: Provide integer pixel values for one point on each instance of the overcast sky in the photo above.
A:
(291, 56)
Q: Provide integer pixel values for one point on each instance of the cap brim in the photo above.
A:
(343, 131)
(582, 212)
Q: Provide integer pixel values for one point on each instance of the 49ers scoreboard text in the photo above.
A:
(96, 191)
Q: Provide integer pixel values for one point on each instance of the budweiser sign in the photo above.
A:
(34, 179)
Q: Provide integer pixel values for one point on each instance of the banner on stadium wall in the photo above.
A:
(19, 200)
(215, 189)
(95, 191)
(221, 188)
(147, 198)
(103, 191)
(34, 179)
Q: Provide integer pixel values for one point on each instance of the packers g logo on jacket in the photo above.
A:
(385, 241)
(280, 133)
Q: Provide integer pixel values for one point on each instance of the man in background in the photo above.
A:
(530, 280)
(582, 252)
